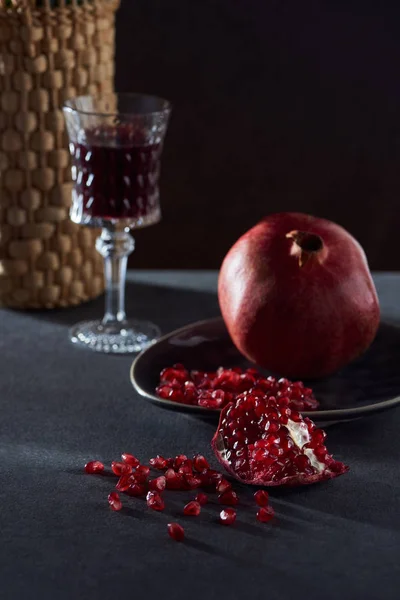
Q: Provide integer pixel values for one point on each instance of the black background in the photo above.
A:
(278, 105)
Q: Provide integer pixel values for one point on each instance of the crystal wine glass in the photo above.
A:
(116, 144)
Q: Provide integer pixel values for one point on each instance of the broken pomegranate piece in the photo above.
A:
(261, 441)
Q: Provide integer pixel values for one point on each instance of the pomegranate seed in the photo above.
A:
(262, 498)
(142, 470)
(174, 480)
(223, 486)
(155, 501)
(265, 514)
(158, 484)
(159, 462)
(139, 477)
(215, 476)
(321, 452)
(171, 374)
(120, 468)
(129, 459)
(192, 509)
(200, 463)
(180, 460)
(207, 400)
(114, 501)
(176, 396)
(201, 498)
(136, 489)
(229, 497)
(302, 462)
(94, 466)
(185, 469)
(318, 437)
(176, 531)
(124, 482)
(192, 482)
(227, 516)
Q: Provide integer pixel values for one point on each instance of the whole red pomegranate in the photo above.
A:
(297, 296)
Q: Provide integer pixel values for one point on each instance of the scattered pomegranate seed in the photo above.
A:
(185, 469)
(201, 498)
(200, 463)
(124, 482)
(174, 480)
(159, 462)
(262, 498)
(129, 459)
(158, 484)
(210, 478)
(142, 470)
(136, 489)
(114, 501)
(215, 476)
(192, 482)
(176, 531)
(139, 477)
(227, 516)
(120, 468)
(180, 476)
(214, 390)
(223, 486)
(265, 514)
(229, 497)
(155, 501)
(94, 466)
(180, 460)
(192, 509)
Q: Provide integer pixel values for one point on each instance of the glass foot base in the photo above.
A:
(121, 338)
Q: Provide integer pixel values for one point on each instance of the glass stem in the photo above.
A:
(115, 247)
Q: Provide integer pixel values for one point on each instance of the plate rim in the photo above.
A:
(341, 413)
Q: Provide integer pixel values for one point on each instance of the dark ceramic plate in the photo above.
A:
(369, 385)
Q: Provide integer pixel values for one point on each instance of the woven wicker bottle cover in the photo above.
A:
(46, 56)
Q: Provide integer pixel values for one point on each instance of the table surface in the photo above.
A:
(61, 406)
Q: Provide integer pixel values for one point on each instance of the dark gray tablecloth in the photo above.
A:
(61, 406)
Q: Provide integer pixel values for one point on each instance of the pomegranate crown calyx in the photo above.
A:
(306, 246)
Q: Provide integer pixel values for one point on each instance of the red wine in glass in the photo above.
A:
(116, 176)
